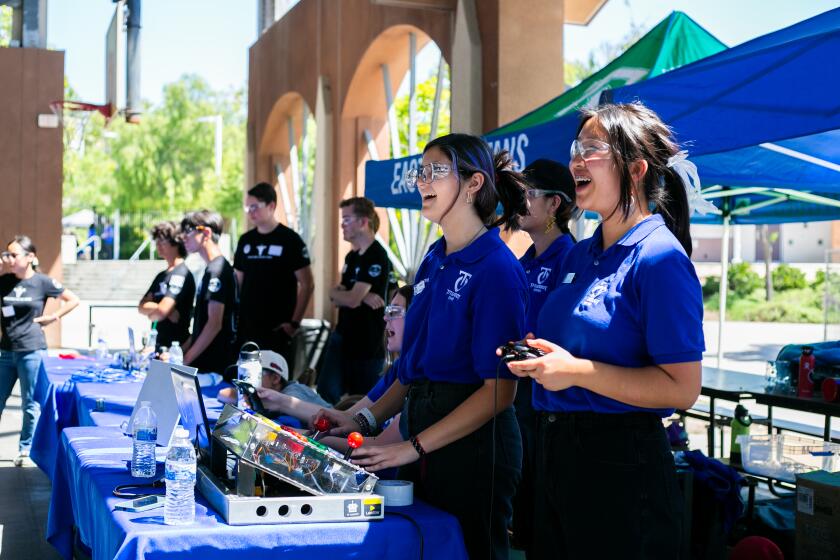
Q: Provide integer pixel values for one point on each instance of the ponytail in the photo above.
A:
(510, 187)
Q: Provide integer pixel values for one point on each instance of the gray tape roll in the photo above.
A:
(395, 492)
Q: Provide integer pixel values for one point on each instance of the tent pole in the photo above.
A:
(724, 285)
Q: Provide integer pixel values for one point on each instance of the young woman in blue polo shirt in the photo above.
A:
(551, 205)
(624, 340)
(469, 298)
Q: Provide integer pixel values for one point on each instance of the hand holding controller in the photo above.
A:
(251, 392)
(515, 351)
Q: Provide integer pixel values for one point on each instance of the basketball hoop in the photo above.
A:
(59, 107)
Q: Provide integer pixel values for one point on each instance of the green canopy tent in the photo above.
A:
(676, 41)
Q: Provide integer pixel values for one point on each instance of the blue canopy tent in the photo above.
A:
(764, 114)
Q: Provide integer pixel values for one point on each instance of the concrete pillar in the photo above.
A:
(323, 207)
(466, 75)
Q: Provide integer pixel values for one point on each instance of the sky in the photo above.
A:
(211, 37)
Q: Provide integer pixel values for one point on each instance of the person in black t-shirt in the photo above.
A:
(272, 268)
(211, 346)
(355, 354)
(23, 295)
(169, 300)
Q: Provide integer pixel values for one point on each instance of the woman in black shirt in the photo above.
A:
(169, 300)
(24, 294)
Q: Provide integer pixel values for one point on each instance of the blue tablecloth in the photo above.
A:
(54, 391)
(92, 461)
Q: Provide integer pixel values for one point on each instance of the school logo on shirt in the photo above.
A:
(596, 293)
(419, 287)
(18, 290)
(460, 282)
(177, 281)
(542, 277)
(305, 252)
(247, 248)
(261, 249)
(375, 270)
(56, 284)
(275, 250)
(214, 285)
(161, 288)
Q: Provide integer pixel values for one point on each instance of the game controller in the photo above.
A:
(251, 392)
(519, 350)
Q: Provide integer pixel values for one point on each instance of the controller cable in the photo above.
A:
(413, 522)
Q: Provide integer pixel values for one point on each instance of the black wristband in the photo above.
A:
(417, 447)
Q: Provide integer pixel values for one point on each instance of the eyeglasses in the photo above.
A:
(248, 208)
(536, 193)
(190, 229)
(10, 255)
(347, 219)
(588, 149)
(428, 173)
(394, 312)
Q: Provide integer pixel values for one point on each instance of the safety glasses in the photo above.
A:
(394, 312)
(589, 149)
(428, 173)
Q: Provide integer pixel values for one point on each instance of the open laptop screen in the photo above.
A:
(191, 407)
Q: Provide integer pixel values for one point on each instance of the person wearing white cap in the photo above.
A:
(282, 396)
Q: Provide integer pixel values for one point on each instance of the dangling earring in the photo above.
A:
(549, 224)
(469, 198)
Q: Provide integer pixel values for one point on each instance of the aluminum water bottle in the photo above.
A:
(144, 431)
(249, 368)
(176, 354)
(179, 507)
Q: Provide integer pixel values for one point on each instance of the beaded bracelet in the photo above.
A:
(417, 447)
(364, 427)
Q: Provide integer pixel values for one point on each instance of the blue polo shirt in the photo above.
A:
(465, 305)
(636, 304)
(541, 273)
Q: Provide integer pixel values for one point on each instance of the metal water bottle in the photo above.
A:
(807, 361)
(249, 368)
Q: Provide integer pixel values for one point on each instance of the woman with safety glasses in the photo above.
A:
(24, 293)
(463, 450)
(551, 205)
(623, 336)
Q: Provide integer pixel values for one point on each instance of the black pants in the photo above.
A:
(460, 478)
(523, 502)
(607, 488)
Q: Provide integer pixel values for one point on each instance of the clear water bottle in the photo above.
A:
(102, 348)
(176, 354)
(144, 429)
(152, 339)
(179, 507)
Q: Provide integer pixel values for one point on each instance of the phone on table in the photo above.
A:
(142, 504)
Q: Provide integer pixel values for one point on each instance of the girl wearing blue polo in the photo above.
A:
(469, 297)
(623, 332)
(551, 205)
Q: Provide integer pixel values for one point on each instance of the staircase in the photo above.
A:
(111, 280)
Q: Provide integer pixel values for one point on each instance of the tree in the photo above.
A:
(575, 71)
(5, 26)
(767, 241)
(424, 99)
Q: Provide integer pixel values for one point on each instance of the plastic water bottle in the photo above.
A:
(176, 354)
(179, 508)
(144, 429)
(101, 349)
(152, 339)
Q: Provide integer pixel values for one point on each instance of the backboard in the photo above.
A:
(115, 59)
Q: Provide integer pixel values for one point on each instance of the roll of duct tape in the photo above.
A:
(395, 492)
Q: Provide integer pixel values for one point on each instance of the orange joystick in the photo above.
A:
(354, 440)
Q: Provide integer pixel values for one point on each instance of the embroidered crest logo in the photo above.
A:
(543, 275)
(18, 290)
(463, 278)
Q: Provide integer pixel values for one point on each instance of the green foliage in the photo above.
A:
(743, 281)
(786, 277)
(166, 163)
(575, 71)
(424, 100)
(711, 286)
(5, 25)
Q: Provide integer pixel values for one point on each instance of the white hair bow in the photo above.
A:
(687, 172)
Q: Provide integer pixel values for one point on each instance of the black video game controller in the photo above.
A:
(251, 392)
(517, 351)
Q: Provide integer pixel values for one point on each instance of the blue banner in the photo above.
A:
(385, 180)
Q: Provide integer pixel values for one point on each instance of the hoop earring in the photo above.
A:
(549, 224)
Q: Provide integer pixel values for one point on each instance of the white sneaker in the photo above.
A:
(22, 459)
